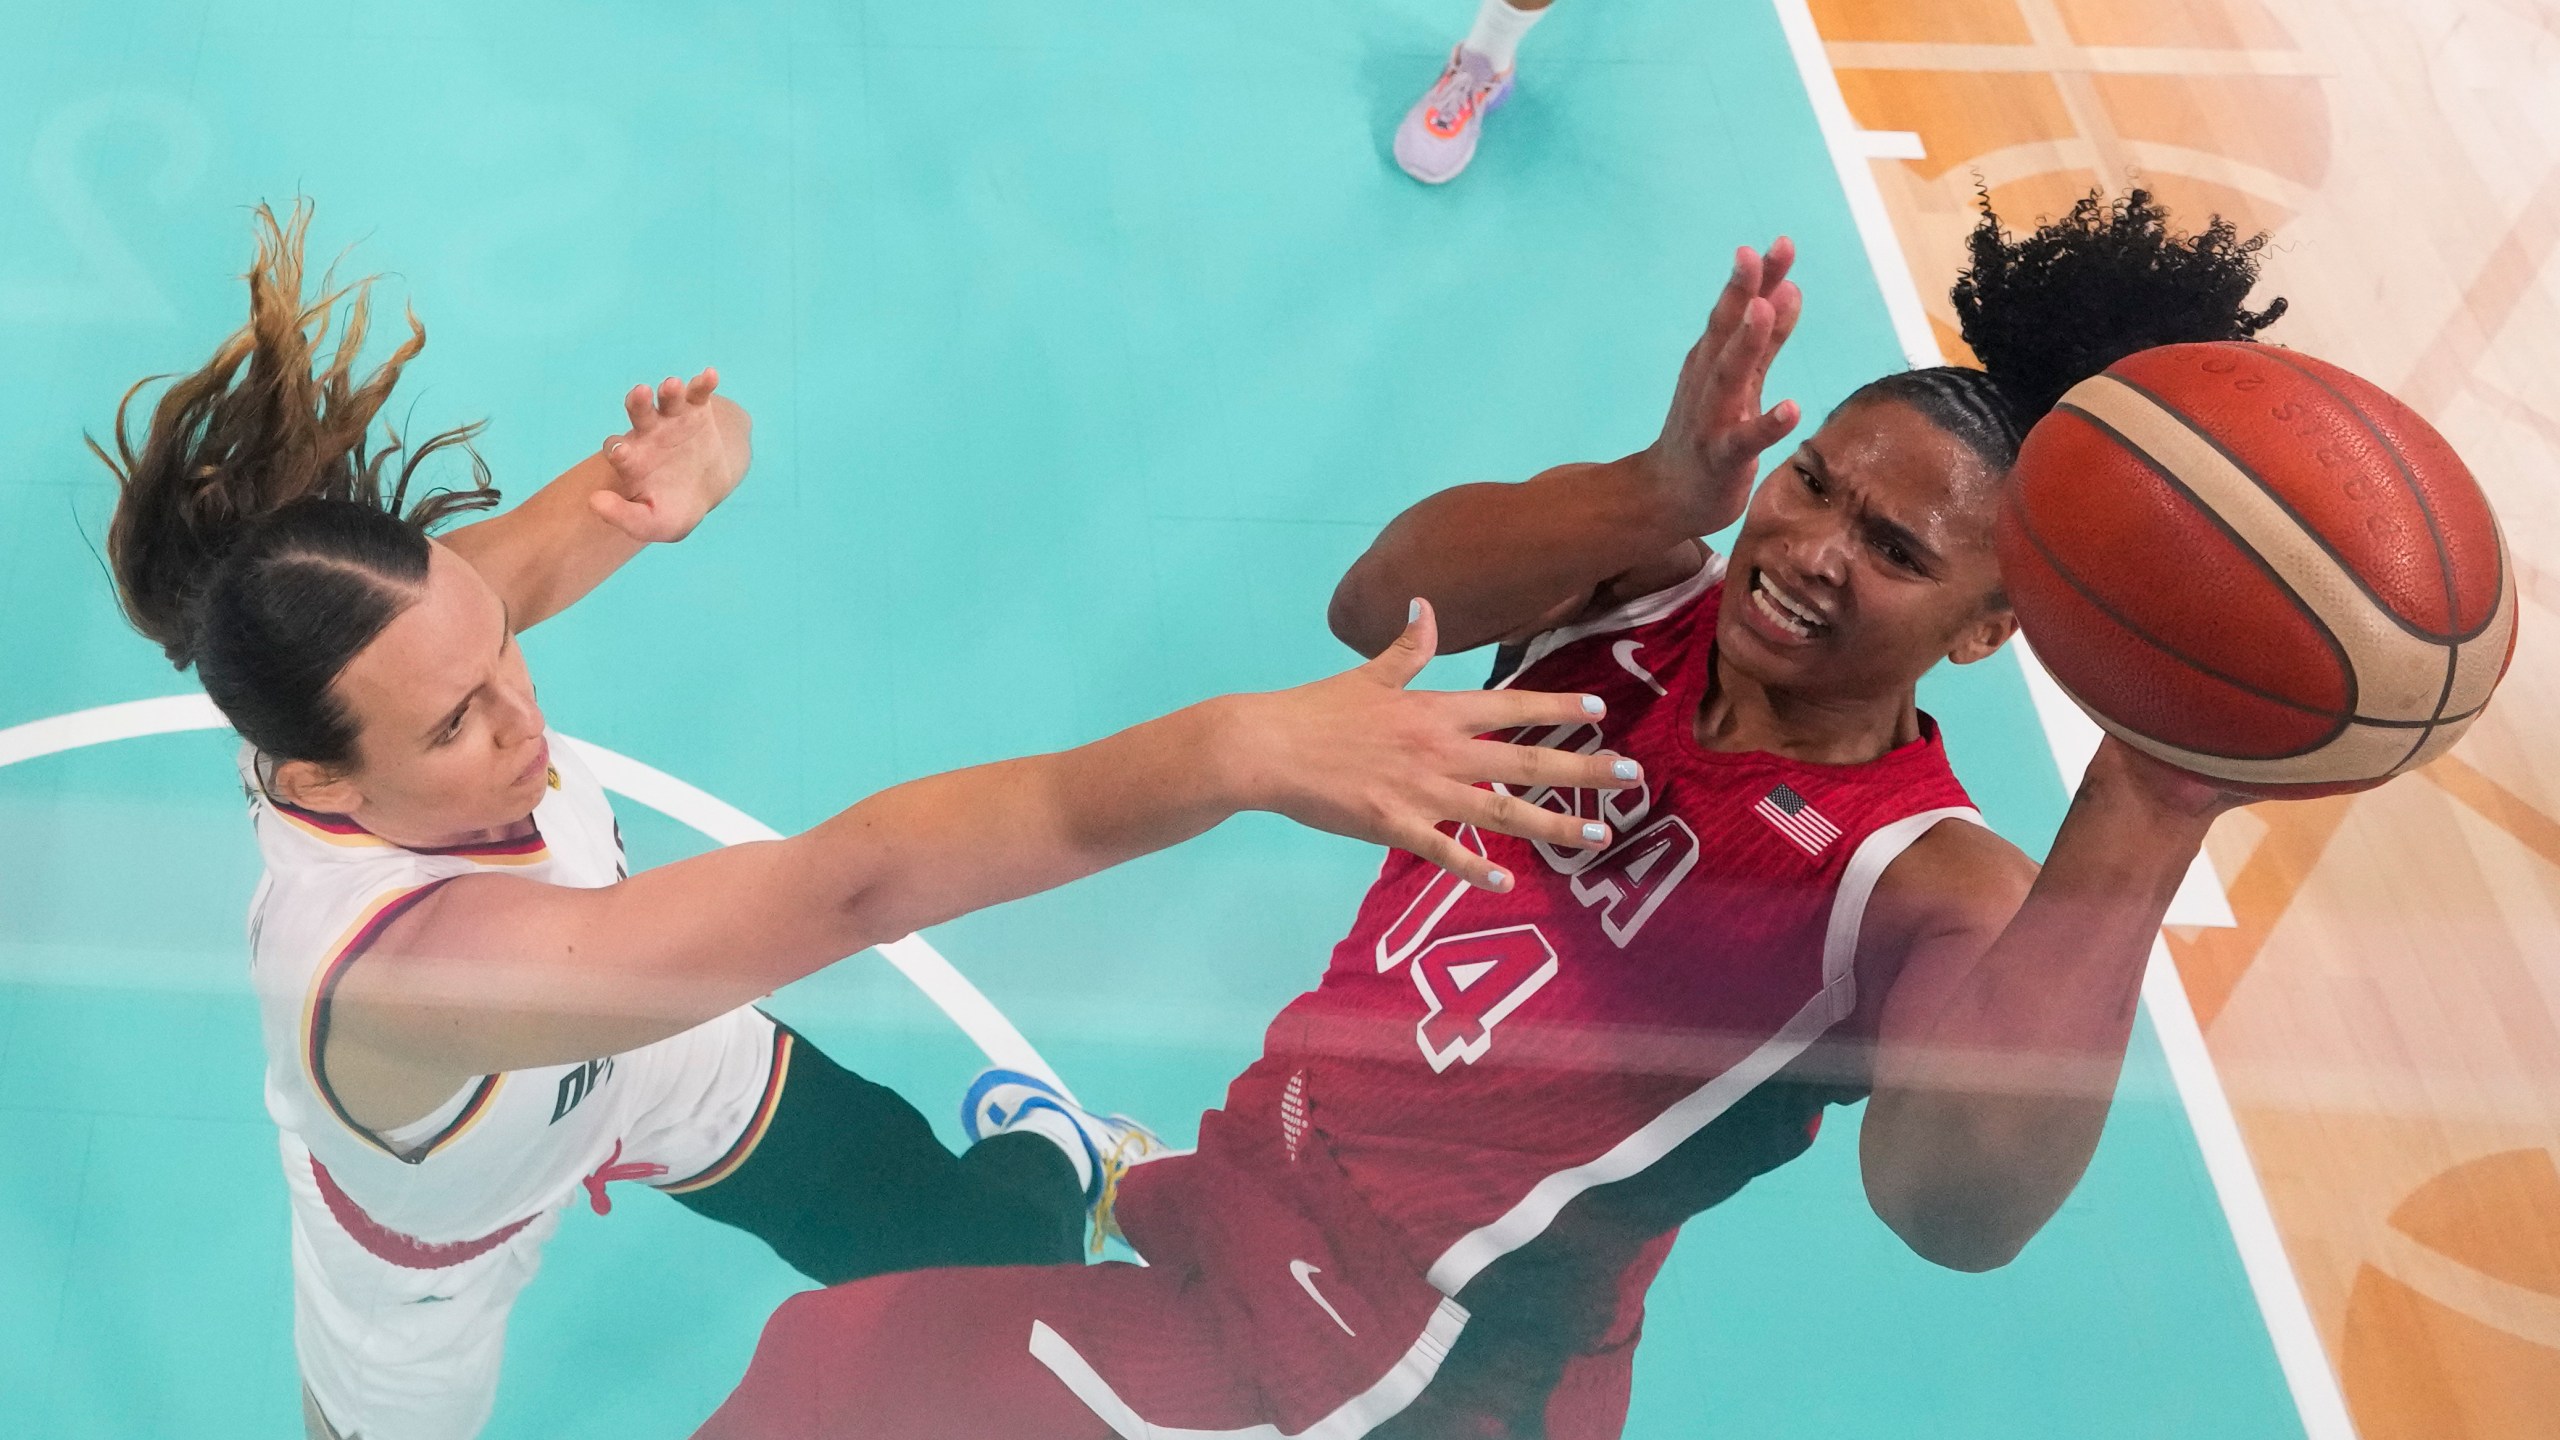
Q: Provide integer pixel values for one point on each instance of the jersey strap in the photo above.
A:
(1643, 610)
(360, 937)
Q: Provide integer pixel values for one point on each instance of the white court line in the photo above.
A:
(941, 982)
(1858, 182)
(2069, 734)
(1892, 145)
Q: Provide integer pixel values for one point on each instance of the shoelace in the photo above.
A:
(1456, 93)
(612, 1170)
(1115, 1165)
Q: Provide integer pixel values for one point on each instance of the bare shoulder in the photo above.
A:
(390, 999)
(440, 946)
(1671, 568)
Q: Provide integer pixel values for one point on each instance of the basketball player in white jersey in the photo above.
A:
(473, 1016)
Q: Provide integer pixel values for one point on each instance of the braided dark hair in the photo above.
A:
(2048, 310)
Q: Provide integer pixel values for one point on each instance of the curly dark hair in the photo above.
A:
(2045, 311)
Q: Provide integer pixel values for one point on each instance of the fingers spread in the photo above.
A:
(670, 395)
(1513, 816)
(1746, 347)
(1758, 374)
(1440, 849)
(1790, 302)
(1759, 322)
(698, 391)
(1486, 711)
(1527, 767)
(1743, 284)
(1781, 259)
(635, 404)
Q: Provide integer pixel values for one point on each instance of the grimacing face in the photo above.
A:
(449, 737)
(1865, 559)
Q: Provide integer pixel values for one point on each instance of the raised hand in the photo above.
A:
(687, 448)
(1709, 450)
(1360, 755)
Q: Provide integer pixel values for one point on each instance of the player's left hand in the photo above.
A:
(1708, 454)
(687, 448)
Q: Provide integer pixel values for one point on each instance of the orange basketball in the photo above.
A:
(2258, 568)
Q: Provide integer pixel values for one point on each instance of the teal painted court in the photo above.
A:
(1087, 346)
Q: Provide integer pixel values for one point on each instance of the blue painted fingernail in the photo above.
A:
(1498, 880)
(1625, 770)
(1412, 612)
(1595, 832)
(1591, 705)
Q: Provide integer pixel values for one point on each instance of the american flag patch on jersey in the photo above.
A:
(1795, 818)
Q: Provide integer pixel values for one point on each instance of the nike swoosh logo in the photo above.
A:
(1307, 1274)
(1625, 654)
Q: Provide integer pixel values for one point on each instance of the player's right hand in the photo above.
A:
(2121, 775)
(1361, 755)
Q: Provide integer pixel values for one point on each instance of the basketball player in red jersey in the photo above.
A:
(1433, 1206)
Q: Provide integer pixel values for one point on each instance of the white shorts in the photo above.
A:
(394, 1352)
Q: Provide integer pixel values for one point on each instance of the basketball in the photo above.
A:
(2258, 568)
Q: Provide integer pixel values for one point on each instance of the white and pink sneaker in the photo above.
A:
(1438, 136)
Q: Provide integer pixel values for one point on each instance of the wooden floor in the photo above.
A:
(2386, 1013)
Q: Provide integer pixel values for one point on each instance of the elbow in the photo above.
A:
(867, 914)
(1954, 1225)
(1955, 1244)
(1356, 617)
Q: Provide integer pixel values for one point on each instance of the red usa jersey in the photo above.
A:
(1475, 1061)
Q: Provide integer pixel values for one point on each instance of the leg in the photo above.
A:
(848, 1181)
(1550, 1353)
(1260, 1315)
(1590, 1402)
(948, 1355)
(391, 1350)
(1499, 26)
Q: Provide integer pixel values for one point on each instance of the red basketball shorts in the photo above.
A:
(1273, 1304)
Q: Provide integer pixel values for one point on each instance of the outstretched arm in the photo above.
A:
(494, 972)
(687, 448)
(2005, 1029)
(1503, 561)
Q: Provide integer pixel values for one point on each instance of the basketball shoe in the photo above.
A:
(1438, 136)
(1101, 1147)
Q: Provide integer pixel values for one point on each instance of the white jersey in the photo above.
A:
(453, 1208)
